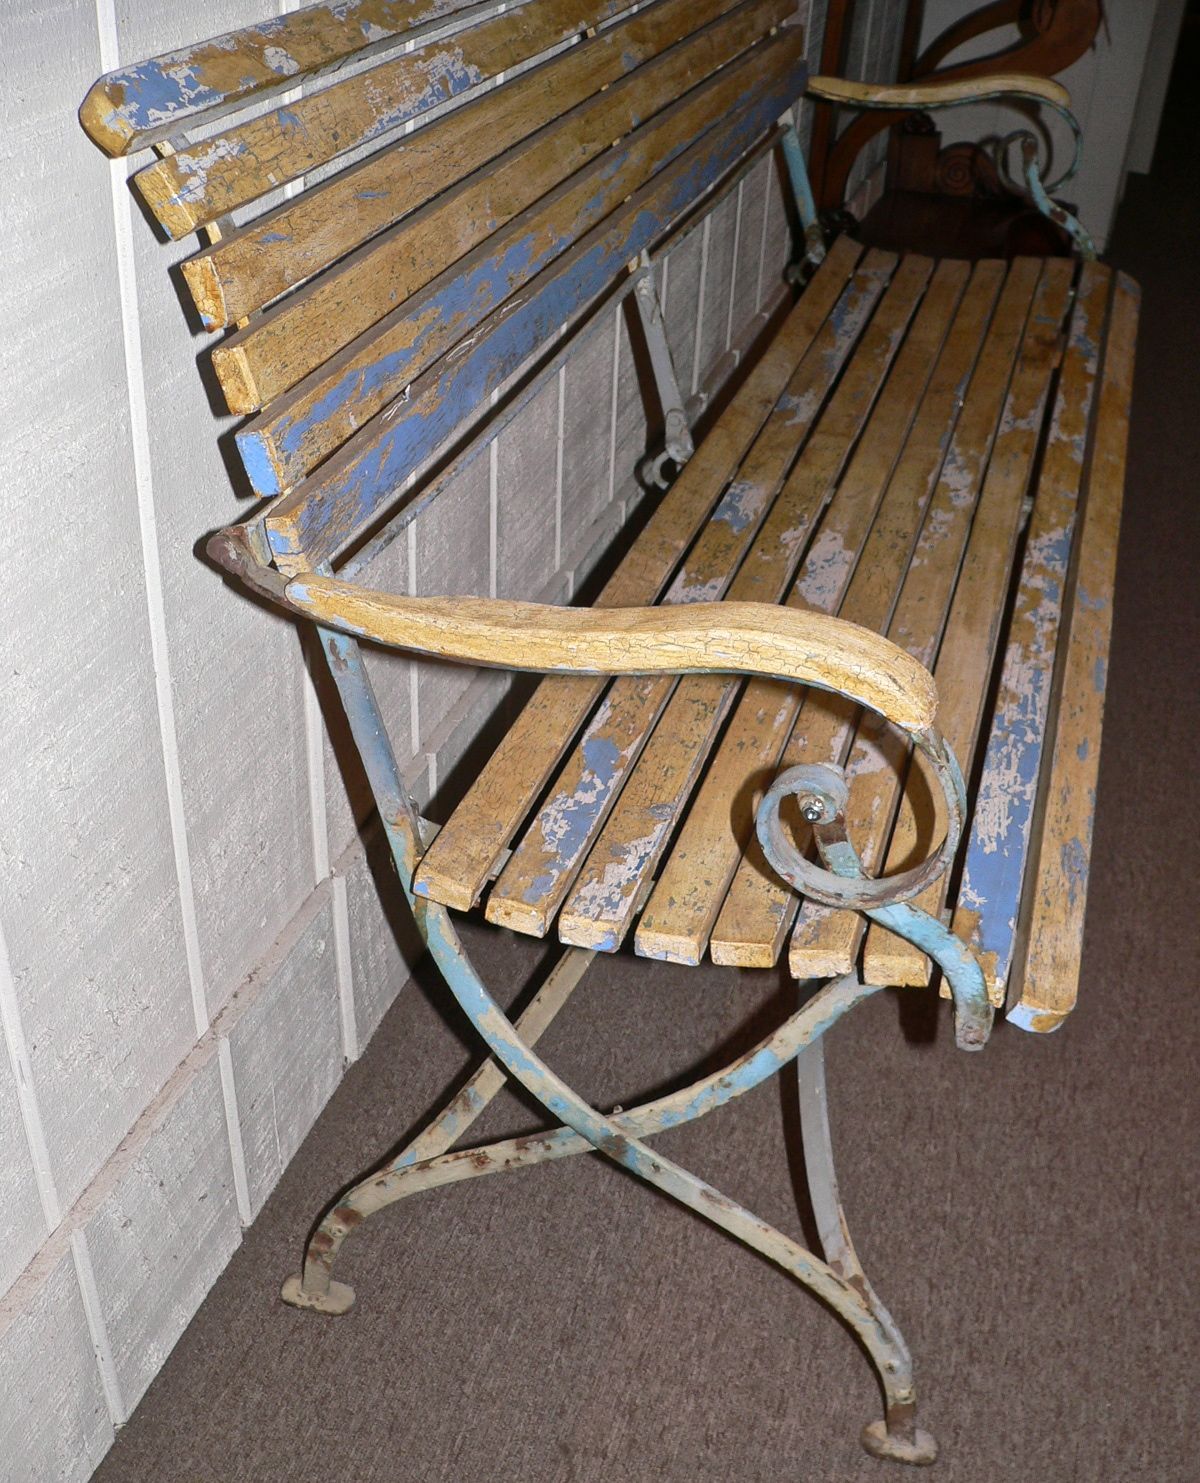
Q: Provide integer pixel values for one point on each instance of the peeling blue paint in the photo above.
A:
(331, 507)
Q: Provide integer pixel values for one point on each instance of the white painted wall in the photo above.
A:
(191, 943)
(1104, 86)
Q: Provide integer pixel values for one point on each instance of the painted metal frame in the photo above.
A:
(1030, 182)
(430, 1160)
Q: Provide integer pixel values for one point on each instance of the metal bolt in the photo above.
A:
(813, 810)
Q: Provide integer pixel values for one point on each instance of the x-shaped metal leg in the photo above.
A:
(426, 1164)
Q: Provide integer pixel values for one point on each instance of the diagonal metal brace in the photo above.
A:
(678, 446)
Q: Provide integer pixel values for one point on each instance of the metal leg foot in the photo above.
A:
(900, 1439)
(337, 1298)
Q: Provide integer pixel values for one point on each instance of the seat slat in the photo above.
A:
(759, 909)
(967, 653)
(600, 906)
(1057, 893)
(1001, 833)
(196, 184)
(543, 866)
(134, 107)
(301, 428)
(461, 859)
(585, 97)
(325, 512)
(876, 761)
(685, 901)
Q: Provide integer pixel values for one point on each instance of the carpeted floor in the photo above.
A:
(1029, 1215)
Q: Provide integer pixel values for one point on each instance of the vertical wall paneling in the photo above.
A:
(235, 676)
(89, 896)
(170, 1207)
(54, 1423)
(28, 1198)
(588, 414)
(285, 1046)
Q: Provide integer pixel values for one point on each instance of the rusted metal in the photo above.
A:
(822, 795)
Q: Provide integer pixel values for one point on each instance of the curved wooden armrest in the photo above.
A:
(922, 95)
(720, 637)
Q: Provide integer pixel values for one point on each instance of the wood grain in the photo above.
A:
(724, 638)
(355, 486)
(303, 426)
(200, 182)
(1048, 980)
(136, 106)
(545, 863)
(919, 604)
(628, 72)
(691, 886)
(600, 907)
(460, 860)
(934, 94)
(972, 632)
(1006, 798)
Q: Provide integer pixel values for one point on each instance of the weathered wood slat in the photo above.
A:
(1057, 893)
(759, 909)
(1001, 831)
(691, 886)
(733, 637)
(876, 759)
(600, 906)
(462, 857)
(968, 647)
(136, 106)
(200, 182)
(301, 428)
(627, 73)
(322, 513)
(537, 878)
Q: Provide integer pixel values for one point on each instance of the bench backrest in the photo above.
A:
(453, 218)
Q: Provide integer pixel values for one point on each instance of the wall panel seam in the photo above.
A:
(22, 1070)
(85, 1277)
(106, 22)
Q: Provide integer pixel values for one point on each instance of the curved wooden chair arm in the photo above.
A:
(716, 637)
(924, 95)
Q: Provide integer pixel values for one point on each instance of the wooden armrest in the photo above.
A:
(939, 94)
(730, 637)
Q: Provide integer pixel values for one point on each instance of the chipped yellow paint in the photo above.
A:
(216, 175)
(134, 107)
(419, 330)
(543, 866)
(394, 220)
(928, 94)
(1057, 894)
(949, 440)
(463, 856)
(926, 580)
(691, 885)
(600, 907)
(968, 646)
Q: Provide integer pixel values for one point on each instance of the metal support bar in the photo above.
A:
(677, 443)
(814, 242)
(1059, 215)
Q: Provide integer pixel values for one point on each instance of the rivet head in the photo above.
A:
(813, 810)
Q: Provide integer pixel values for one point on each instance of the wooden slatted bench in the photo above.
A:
(894, 547)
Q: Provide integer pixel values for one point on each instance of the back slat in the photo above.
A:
(291, 243)
(326, 512)
(196, 185)
(301, 428)
(136, 106)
